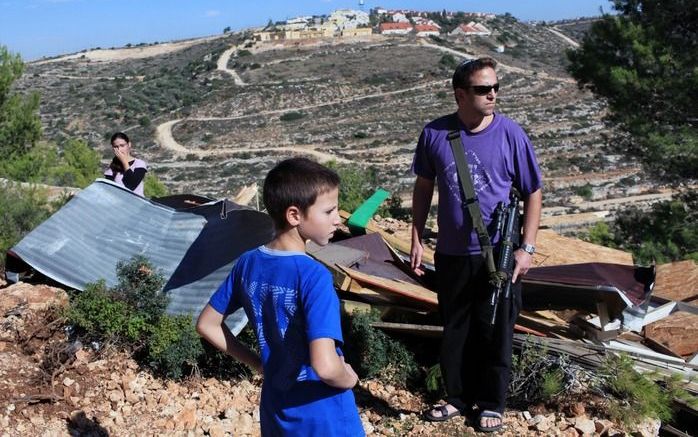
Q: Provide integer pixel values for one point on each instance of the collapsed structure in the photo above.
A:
(582, 300)
(193, 241)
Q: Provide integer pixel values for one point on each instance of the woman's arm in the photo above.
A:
(211, 327)
(133, 177)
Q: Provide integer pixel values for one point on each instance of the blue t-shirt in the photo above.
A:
(289, 299)
(499, 157)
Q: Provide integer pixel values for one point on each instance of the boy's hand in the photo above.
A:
(330, 367)
(352, 374)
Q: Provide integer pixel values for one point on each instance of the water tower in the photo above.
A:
(361, 4)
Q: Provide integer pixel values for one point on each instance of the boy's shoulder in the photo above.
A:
(265, 255)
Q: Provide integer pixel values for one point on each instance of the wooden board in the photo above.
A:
(678, 332)
(411, 291)
(407, 328)
(677, 281)
(433, 331)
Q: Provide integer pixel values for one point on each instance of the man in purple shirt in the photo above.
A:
(475, 356)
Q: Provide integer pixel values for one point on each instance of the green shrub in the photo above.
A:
(20, 124)
(667, 232)
(535, 375)
(600, 233)
(215, 364)
(360, 135)
(357, 184)
(34, 165)
(174, 345)
(448, 61)
(140, 286)
(132, 316)
(637, 396)
(291, 116)
(551, 384)
(584, 191)
(78, 167)
(153, 187)
(21, 210)
(100, 316)
(375, 355)
(434, 381)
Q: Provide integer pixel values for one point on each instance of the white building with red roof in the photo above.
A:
(471, 28)
(394, 28)
(424, 30)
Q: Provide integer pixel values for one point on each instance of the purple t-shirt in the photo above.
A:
(499, 156)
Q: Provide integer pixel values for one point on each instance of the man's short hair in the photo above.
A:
(295, 182)
(464, 70)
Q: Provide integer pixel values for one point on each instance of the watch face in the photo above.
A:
(529, 248)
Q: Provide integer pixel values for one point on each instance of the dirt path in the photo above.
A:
(222, 65)
(166, 140)
(510, 68)
(65, 76)
(569, 40)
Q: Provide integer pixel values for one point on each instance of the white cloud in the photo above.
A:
(212, 13)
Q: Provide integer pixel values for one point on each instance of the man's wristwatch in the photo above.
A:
(529, 248)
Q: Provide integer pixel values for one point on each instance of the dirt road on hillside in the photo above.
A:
(165, 139)
(222, 65)
(540, 74)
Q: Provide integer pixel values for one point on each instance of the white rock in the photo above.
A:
(230, 413)
(584, 425)
(368, 428)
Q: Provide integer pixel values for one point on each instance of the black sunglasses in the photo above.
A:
(483, 90)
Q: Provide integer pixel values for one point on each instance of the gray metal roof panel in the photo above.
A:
(194, 249)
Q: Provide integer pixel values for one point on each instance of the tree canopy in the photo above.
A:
(20, 125)
(643, 61)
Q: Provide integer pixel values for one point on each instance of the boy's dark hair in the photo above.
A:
(295, 182)
(461, 77)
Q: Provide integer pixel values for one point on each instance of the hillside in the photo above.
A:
(214, 114)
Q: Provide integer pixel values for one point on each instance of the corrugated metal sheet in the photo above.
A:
(194, 249)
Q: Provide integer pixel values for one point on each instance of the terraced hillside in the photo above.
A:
(216, 115)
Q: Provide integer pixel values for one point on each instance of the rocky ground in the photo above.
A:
(49, 386)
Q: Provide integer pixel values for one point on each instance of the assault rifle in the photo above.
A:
(508, 227)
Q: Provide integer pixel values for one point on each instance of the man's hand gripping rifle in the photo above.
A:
(508, 227)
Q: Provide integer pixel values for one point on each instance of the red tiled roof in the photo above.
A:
(394, 26)
(468, 29)
(425, 28)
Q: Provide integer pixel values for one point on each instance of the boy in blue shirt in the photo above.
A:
(290, 301)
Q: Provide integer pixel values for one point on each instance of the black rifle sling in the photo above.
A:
(471, 201)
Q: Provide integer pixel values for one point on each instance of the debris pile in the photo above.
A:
(582, 301)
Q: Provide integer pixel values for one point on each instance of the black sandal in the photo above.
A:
(445, 415)
(490, 415)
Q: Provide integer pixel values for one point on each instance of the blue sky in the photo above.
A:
(36, 28)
